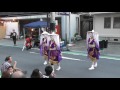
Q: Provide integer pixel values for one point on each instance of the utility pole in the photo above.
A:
(52, 22)
(69, 28)
(66, 30)
(40, 28)
(47, 21)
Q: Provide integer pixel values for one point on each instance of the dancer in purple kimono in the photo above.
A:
(55, 55)
(44, 44)
(93, 48)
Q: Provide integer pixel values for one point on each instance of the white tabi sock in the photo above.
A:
(95, 65)
(58, 68)
(45, 63)
(92, 67)
(53, 68)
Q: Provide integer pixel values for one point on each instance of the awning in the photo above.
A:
(38, 24)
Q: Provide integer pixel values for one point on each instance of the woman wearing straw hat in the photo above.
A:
(54, 51)
(93, 48)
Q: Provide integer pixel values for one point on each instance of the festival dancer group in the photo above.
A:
(50, 49)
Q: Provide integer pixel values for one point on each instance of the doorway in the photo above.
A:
(85, 25)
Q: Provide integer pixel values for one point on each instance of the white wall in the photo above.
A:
(73, 25)
(99, 26)
(65, 25)
(9, 28)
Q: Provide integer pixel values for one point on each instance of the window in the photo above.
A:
(107, 22)
(116, 22)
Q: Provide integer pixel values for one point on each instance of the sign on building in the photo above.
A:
(63, 13)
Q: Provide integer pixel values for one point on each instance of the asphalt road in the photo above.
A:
(74, 65)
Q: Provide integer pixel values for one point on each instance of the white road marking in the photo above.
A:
(83, 54)
(34, 53)
(103, 57)
(73, 59)
(35, 48)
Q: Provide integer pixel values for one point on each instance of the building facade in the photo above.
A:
(62, 24)
(107, 25)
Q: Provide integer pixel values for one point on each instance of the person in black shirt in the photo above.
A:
(14, 35)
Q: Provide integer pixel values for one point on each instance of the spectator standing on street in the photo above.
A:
(14, 35)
